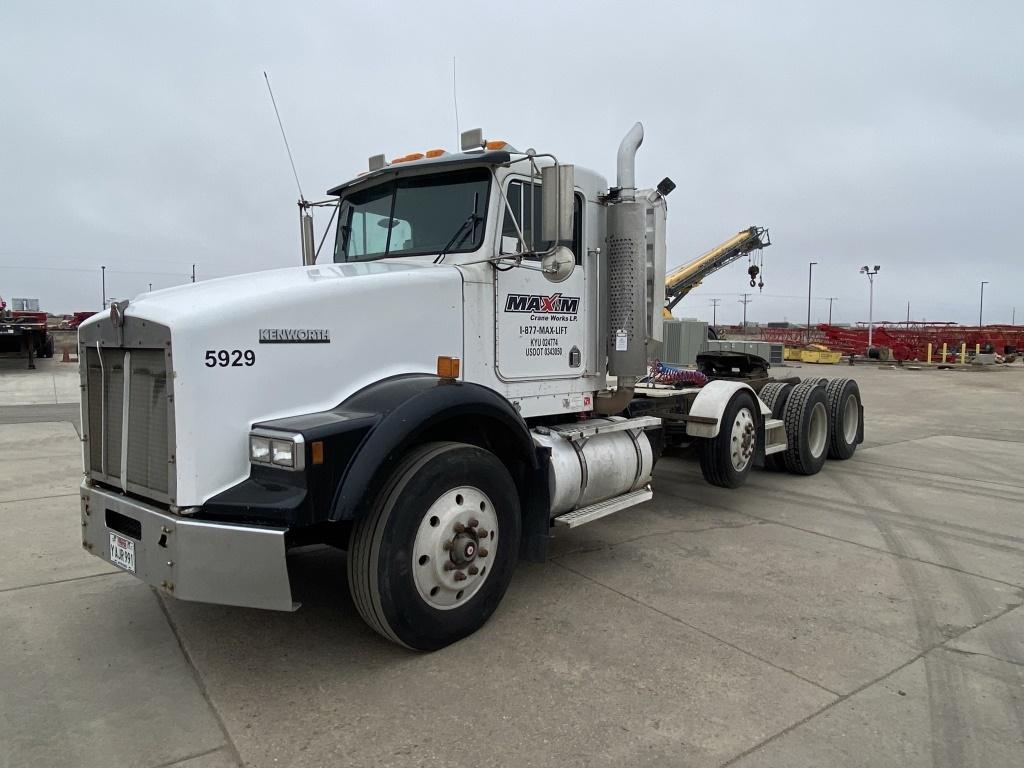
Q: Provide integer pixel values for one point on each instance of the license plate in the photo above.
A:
(122, 552)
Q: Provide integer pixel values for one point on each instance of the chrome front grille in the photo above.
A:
(129, 411)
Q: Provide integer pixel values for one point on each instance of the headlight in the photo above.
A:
(279, 449)
(259, 449)
(282, 453)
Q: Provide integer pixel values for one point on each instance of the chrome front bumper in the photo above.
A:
(191, 559)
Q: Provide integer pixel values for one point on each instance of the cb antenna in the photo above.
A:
(305, 217)
(284, 136)
(455, 100)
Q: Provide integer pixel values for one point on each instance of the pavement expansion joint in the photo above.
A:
(63, 581)
(195, 756)
(870, 683)
(963, 652)
(200, 682)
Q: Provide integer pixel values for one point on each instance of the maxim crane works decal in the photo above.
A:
(555, 303)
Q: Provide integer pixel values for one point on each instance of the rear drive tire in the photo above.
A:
(844, 406)
(775, 395)
(430, 562)
(726, 459)
(807, 429)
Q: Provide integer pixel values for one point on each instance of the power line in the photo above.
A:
(93, 269)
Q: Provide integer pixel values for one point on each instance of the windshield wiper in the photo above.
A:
(460, 233)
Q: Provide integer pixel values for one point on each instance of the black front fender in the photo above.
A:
(411, 409)
(363, 437)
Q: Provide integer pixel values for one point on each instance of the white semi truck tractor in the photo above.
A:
(470, 374)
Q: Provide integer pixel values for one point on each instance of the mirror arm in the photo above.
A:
(508, 207)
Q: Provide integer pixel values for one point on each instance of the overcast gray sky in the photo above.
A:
(139, 135)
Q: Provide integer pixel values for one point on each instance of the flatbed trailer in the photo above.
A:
(25, 333)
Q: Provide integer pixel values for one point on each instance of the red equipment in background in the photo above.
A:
(908, 341)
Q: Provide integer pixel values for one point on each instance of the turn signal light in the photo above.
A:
(448, 367)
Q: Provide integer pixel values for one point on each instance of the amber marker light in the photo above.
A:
(448, 367)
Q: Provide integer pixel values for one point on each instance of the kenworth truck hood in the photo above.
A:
(317, 334)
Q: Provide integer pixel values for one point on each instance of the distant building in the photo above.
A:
(24, 305)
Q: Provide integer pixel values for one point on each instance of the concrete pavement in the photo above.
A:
(867, 616)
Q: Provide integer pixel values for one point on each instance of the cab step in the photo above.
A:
(585, 515)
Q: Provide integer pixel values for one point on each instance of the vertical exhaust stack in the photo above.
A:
(625, 164)
(627, 270)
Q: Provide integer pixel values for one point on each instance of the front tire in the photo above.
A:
(726, 459)
(431, 561)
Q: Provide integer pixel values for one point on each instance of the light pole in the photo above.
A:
(103, 273)
(810, 270)
(714, 312)
(866, 270)
(981, 304)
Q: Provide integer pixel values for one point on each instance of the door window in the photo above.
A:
(525, 199)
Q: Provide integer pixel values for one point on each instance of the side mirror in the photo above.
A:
(558, 182)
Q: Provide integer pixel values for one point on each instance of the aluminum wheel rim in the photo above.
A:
(454, 547)
(741, 439)
(817, 430)
(850, 418)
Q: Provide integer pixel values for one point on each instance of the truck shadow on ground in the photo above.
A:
(326, 628)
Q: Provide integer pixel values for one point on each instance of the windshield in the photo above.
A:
(437, 213)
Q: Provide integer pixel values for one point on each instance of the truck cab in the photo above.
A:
(455, 382)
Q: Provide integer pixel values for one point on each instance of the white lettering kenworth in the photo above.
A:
(470, 373)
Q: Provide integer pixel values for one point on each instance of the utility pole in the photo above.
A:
(744, 301)
(981, 304)
(810, 270)
(908, 314)
(103, 272)
(830, 300)
(193, 273)
(714, 312)
(866, 270)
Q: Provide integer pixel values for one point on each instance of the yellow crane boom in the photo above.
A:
(681, 280)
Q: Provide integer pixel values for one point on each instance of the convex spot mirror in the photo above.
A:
(558, 264)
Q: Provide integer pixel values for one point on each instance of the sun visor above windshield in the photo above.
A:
(496, 157)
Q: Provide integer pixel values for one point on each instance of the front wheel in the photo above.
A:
(726, 459)
(430, 563)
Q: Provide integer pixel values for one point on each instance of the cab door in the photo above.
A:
(541, 329)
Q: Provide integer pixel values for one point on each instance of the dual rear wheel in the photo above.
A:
(822, 419)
